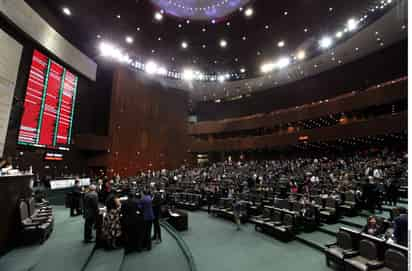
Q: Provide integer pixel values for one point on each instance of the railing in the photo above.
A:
(352, 100)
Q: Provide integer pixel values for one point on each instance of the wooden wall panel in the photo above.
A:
(148, 124)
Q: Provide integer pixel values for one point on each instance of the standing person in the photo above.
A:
(147, 208)
(75, 199)
(393, 193)
(400, 229)
(157, 207)
(236, 213)
(90, 212)
(130, 220)
(112, 229)
(210, 197)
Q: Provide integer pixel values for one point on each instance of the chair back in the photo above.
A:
(344, 240)
(395, 260)
(24, 210)
(368, 249)
(288, 220)
(276, 216)
(32, 206)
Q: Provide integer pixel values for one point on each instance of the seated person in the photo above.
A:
(372, 227)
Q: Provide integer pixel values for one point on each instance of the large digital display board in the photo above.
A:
(49, 105)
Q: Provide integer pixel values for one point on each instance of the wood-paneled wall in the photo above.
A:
(148, 124)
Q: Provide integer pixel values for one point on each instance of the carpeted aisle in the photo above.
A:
(165, 256)
(216, 245)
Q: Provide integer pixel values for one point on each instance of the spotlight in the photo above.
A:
(267, 67)
(242, 70)
(249, 12)
(283, 62)
(151, 67)
(281, 44)
(326, 42)
(158, 16)
(188, 74)
(184, 45)
(129, 39)
(67, 11)
(352, 24)
(301, 55)
(221, 78)
(223, 43)
(339, 34)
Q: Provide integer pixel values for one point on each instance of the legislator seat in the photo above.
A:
(366, 260)
(394, 261)
(348, 207)
(344, 247)
(32, 230)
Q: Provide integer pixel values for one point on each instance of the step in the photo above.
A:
(403, 200)
(332, 229)
(365, 213)
(356, 221)
(105, 260)
(316, 239)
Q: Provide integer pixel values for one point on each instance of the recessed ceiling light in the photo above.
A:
(67, 11)
(305, 30)
(281, 44)
(330, 9)
(352, 24)
(326, 42)
(118, 16)
(242, 70)
(98, 36)
(184, 45)
(213, 21)
(249, 12)
(339, 34)
(244, 38)
(129, 39)
(180, 25)
(301, 55)
(158, 16)
(228, 24)
(187, 21)
(285, 13)
(138, 28)
(204, 46)
(203, 29)
(266, 26)
(223, 43)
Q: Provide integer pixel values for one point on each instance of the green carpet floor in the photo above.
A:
(65, 251)
(216, 245)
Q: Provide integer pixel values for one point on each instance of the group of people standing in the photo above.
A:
(128, 223)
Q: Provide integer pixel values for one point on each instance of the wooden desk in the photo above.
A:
(12, 189)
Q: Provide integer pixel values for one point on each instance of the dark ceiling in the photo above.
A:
(272, 21)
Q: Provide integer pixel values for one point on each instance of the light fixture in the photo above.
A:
(184, 45)
(339, 34)
(352, 24)
(188, 74)
(129, 39)
(158, 16)
(301, 55)
(223, 43)
(326, 42)
(283, 62)
(67, 11)
(161, 71)
(221, 78)
(151, 67)
(242, 70)
(281, 44)
(249, 12)
(267, 67)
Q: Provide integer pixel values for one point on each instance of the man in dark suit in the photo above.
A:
(400, 229)
(132, 224)
(76, 196)
(91, 212)
(148, 216)
(157, 206)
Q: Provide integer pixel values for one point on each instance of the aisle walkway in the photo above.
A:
(216, 245)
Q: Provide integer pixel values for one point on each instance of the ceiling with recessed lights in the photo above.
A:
(217, 40)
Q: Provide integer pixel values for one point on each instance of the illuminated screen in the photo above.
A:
(49, 105)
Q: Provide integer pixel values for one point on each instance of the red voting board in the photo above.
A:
(49, 104)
